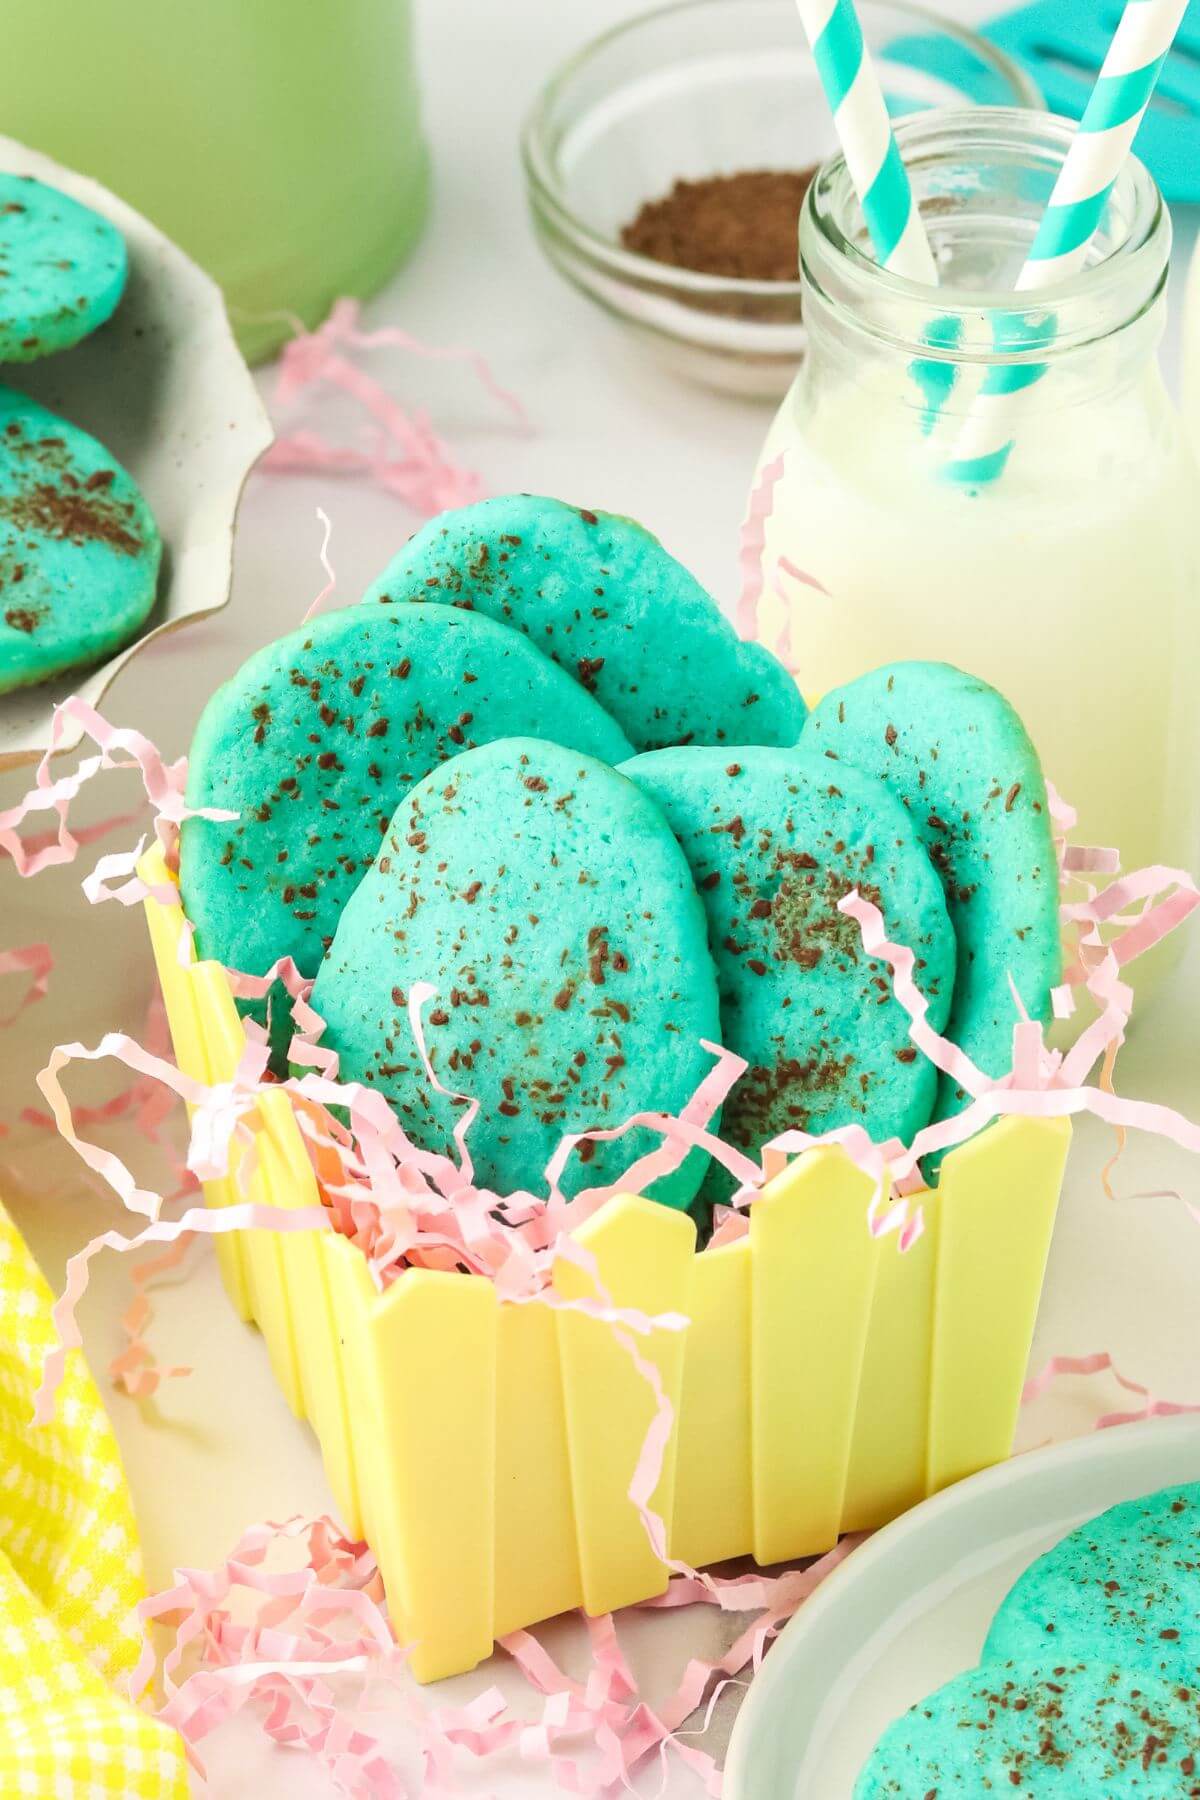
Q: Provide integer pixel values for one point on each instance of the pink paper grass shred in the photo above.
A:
(33, 961)
(406, 1207)
(1099, 1362)
(399, 451)
(134, 1370)
(752, 561)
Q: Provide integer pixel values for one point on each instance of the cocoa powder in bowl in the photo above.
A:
(743, 226)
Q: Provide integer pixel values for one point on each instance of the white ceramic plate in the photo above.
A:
(911, 1607)
(164, 387)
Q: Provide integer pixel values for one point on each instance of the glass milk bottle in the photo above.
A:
(1071, 581)
(1189, 339)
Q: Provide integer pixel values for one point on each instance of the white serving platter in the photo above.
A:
(911, 1608)
(163, 385)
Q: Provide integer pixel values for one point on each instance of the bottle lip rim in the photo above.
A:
(1093, 303)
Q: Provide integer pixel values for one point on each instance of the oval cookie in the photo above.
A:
(62, 269)
(79, 550)
(317, 739)
(956, 755)
(1062, 1730)
(602, 597)
(774, 839)
(1124, 1587)
(545, 898)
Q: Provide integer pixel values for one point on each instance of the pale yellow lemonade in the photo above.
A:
(1083, 613)
(1189, 338)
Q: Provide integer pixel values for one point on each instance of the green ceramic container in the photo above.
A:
(277, 141)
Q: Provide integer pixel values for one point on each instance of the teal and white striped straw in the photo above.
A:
(1060, 247)
(860, 117)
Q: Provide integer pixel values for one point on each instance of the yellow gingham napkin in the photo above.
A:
(70, 1578)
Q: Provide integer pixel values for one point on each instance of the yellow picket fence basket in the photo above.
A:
(484, 1449)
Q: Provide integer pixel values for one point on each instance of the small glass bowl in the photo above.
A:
(699, 88)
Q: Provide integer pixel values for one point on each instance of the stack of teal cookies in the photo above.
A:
(1089, 1683)
(536, 769)
(79, 550)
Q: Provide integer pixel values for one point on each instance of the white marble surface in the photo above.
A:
(220, 1450)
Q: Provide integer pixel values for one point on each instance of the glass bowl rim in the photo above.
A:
(546, 192)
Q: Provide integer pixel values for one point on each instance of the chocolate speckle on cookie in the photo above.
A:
(773, 852)
(587, 1015)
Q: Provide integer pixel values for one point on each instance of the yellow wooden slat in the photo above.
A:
(999, 1195)
(187, 996)
(352, 1296)
(225, 1041)
(313, 1338)
(430, 1462)
(264, 1253)
(231, 1256)
(713, 1514)
(182, 1003)
(537, 1560)
(826, 1379)
(891, 1424)
(223, 1033)
(813, 1279)
(644, 1254)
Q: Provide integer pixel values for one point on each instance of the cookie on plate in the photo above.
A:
(775, 838)
(1064, 1729)
(954, 753)
(79, 550)
(601, 596)
(315, 742)
(544, 897)
(1124, 1587)
(62, 269)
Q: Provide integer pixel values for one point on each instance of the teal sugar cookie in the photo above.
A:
(547, 901)
(774, 839)
(955, 753)
(79, 550)
(62, 269)
(1124, 1587)
(314, 743)
(602, 597)
(1065, 1730)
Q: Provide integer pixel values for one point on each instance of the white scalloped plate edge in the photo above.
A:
(911, 1607)
(164, 386)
